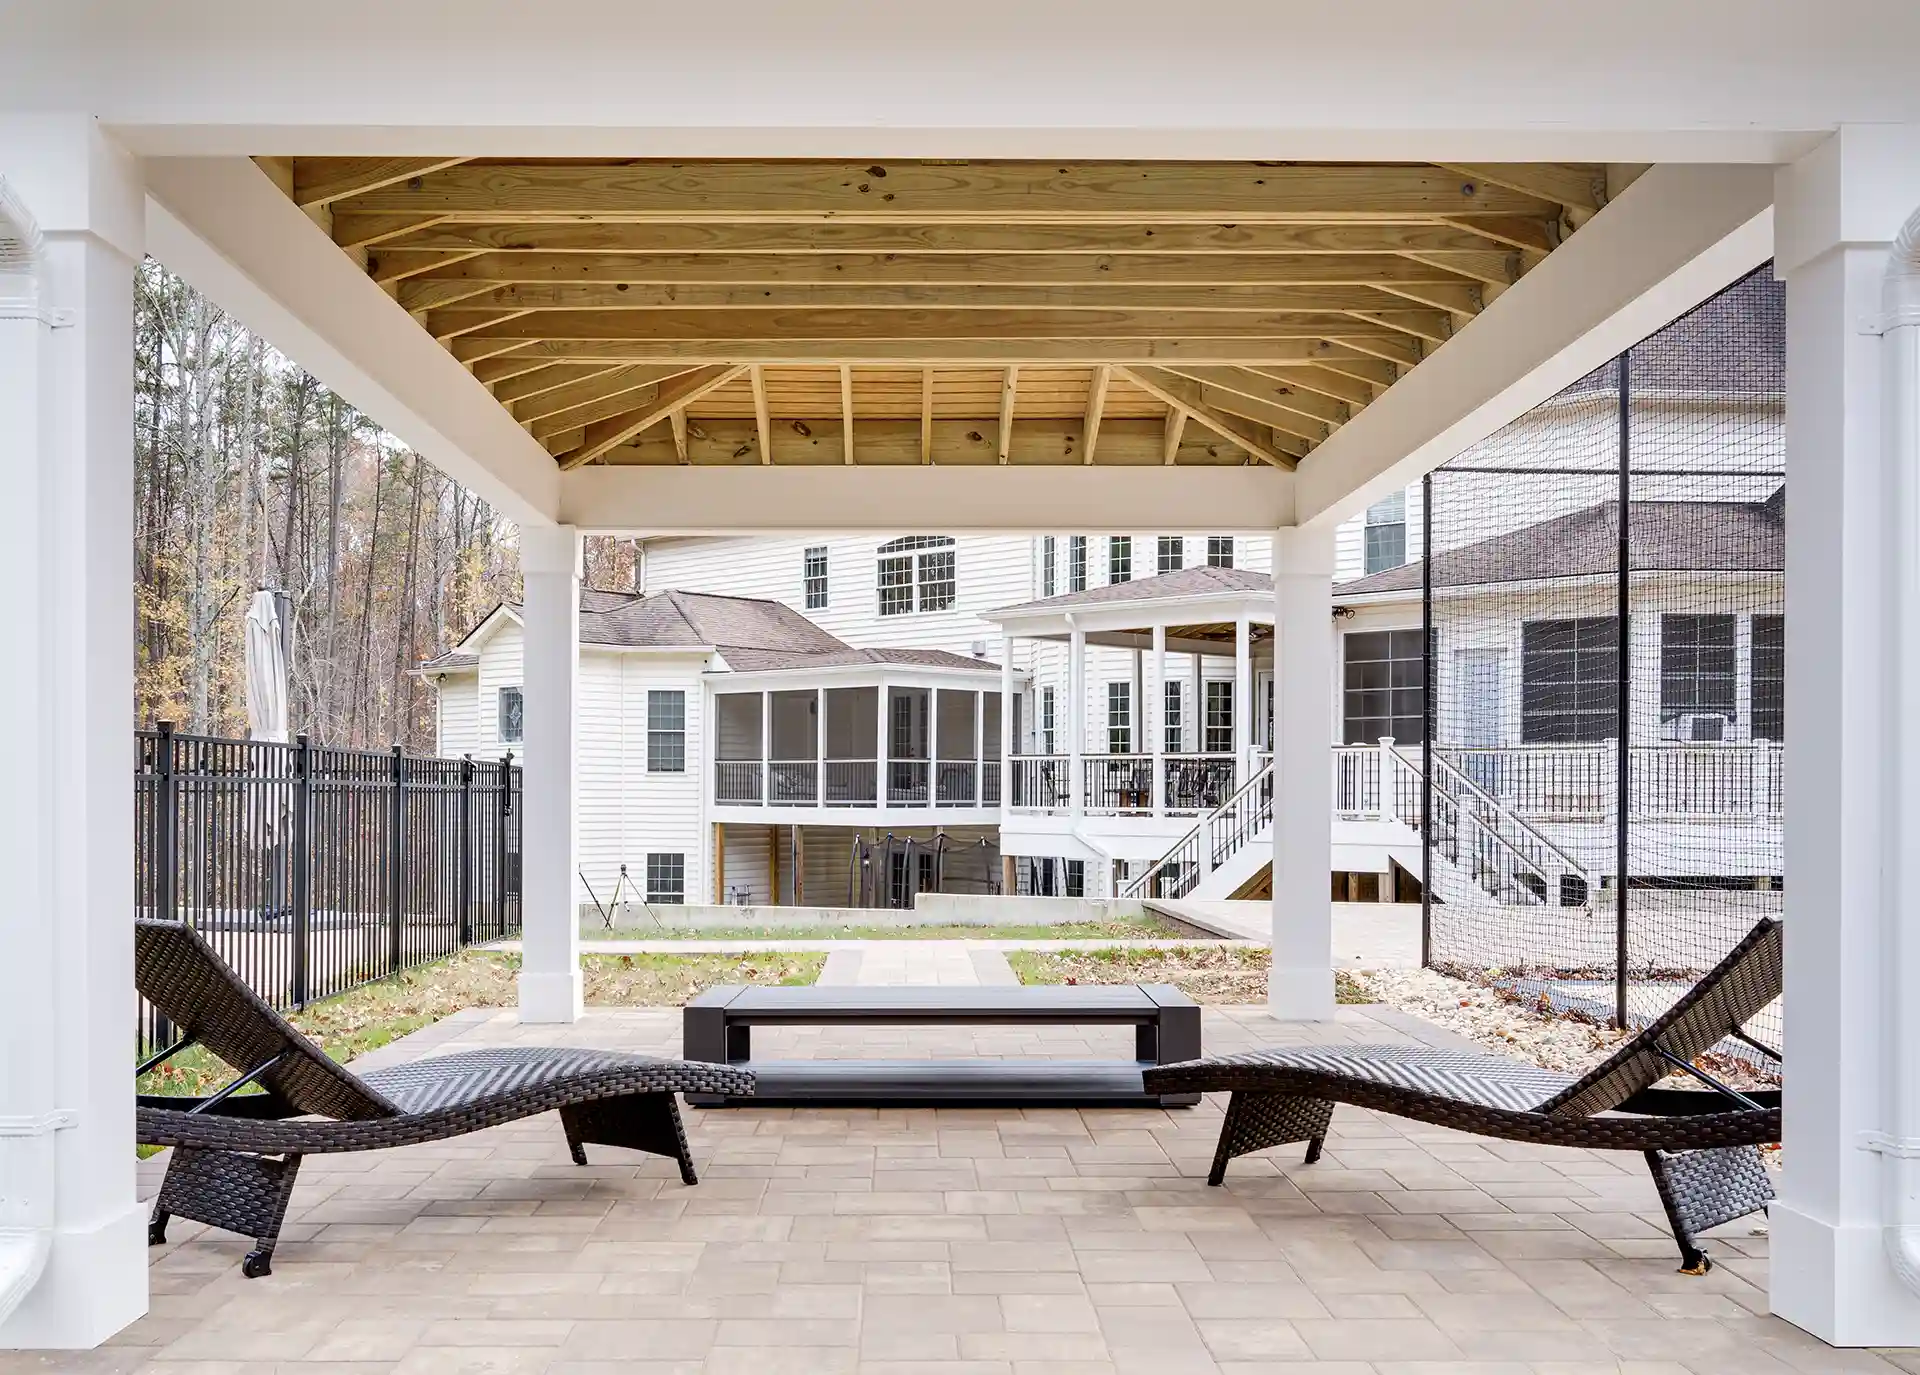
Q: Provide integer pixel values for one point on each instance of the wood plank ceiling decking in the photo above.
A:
(939, 312)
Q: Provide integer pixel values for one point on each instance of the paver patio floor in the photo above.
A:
(962, 1242)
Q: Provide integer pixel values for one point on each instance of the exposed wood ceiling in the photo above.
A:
(939, 312)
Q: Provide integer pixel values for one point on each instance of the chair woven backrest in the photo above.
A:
(192, 987)
(1725, 1000)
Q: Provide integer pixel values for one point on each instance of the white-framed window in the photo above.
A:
(1120, 558)
(1173, 723)
(1385, 538)
(1699, 667)
(1219, 718)
(1076, 563)
(666, 878)
(1172, 553)
(813, 575)
(666, 730)
(1767, 666)
(917, 573)
(1120, 718)
(1219, 551)
(513, 715)
(1049, 566)
(1569, 680)
(1046, 720)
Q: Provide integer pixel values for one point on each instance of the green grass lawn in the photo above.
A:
(1221, 974)
(1125, 929)
(368, 1017)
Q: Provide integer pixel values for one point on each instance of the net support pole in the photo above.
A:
(1623, 748)
(1430, 680)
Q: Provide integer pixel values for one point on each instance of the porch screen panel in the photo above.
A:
(1603, 626)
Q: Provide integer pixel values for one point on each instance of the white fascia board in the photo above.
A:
(951, 500)
(1141, 614)
(490, 624)
(1672, 239)
(853, 675)
(225, 227)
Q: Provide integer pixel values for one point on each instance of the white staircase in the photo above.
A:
(1225, 850)
(1484, 854)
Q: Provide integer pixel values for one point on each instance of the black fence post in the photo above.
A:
(463, 881)
(166, 835)
(396, 861)
(1623, 761)
(500, 846)
(300, 863)
(1429, 679)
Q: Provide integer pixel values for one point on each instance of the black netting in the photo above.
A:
(1557, 630)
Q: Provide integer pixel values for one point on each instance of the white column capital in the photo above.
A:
(551, 549)
(75, 180)
(1303, 551)
(1854, 190)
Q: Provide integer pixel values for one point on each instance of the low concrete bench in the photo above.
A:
(718, 1027)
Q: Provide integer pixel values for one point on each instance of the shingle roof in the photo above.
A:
(1188, 582)
(453, 661)
(1666, 536)
(1734, 345)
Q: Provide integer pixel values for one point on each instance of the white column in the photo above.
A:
(66, 801)
(1242, 698)
(1300, 987)
(819, 760)
(979, 747)
(1006, 718)
(1850, 605)
(766, 747)
(880, 748)
(550, 919)
(1196, 726)
(1157, 720)
(1076, 721)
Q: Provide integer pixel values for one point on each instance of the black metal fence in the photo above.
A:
(312, 870)
(1604, 595)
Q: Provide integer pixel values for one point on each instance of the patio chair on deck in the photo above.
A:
(236, 1154)
(1701, 1146)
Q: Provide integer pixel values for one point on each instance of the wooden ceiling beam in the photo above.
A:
(762, 417)
(1155, 240)
(678, 420)
(1428, 326)
(400, 266)
(926, 415)
(1304, 382)
(1399, 350)
(1097, 385)
(607, 394)
(614, 431)
(1463, 301)
(1186, 396)
(1531, 235)
(923, 353)
(1267, 390)
(973, 192)
(322, 181)
(544, 377)
(951, 269)
(1261, 412)
(723, 327)
(365, 231)
(435, 293)
(1578, 187)
(1170, 435)
(846, 412)
(1009, 389)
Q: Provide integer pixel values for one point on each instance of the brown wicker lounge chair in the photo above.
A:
(1702, 1147)
(236, 1154)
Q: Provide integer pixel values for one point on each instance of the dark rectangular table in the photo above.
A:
(718, 1026)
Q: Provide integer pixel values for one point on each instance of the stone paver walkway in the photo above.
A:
(919, 963)
(961, 1242)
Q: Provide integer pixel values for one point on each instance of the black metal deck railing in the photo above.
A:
(311, 869)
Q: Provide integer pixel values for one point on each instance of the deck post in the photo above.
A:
(66, 807)
(1243, 716)
(550, 921)
(1853, 674)
(1076, 722)
(1300, 985)
(1155, 721)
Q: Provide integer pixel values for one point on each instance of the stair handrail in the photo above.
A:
(1500, 813)
(1199, 836)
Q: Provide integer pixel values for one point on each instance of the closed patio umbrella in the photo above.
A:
(266, 670)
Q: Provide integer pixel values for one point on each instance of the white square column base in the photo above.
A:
(1300, 995)
(1835, 1282)
(95, 1284)
(550, 998)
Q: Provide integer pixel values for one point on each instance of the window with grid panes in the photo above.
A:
(1384, 686)
(1120, 718)
(1698, 669)
(1076, 563)
(1768, 669)
(666, 730)
(1049, 560)
(1172, 727)
(666, 878)
(1171, 555)
(1219, 551)
(1046, 720)
(814, 576)
(1385, 538)
(1219, 718)
(1569, 680)
(1120, 559)
(918, 571)
(513, 714)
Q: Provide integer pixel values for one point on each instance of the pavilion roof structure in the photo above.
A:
(805, 313)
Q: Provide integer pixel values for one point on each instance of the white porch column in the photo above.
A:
(1852, 680)
(1156, 720)
(1076, 721)
(1006, 719)
(1196, 726)
(1300, 987)
(880, 747)
(66, 800)
(550, 921)
(1242, 699)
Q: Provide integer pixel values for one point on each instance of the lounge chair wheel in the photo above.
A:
(256, 1264)
(157, 1230)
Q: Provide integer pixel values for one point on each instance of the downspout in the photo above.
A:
(1899, 1145)
(28, 1112)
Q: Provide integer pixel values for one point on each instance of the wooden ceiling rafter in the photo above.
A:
(1268, 302)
